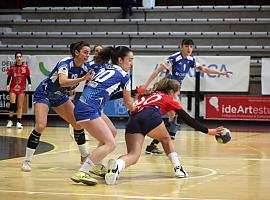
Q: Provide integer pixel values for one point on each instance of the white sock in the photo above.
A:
(174, 159)
(29, 153)
(87, 166)
(83, 150)
(121, 164)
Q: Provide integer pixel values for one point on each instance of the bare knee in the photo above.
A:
(165, 140)
(40, 127)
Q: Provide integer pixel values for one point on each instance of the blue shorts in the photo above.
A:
(144, 121)
(40, 96)
(85, 112)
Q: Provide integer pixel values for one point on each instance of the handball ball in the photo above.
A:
(224, 137)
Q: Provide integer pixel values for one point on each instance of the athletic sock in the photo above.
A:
(121, 164)
(174, 159)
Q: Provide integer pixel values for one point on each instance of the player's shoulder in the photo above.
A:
(24, 65)
(66, 60)
(191, 58)
(175, 55)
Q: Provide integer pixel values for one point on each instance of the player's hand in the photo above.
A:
(88, 76)
(215, 131)
(227, 73)
(8, 88)
(29, 87)
(141, 89)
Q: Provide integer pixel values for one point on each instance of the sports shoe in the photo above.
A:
(153, 149)
(26, 166)
(99, 170)
(82, 177)
(113, 172)
(19, 125)
(9, 124)
(180, 172)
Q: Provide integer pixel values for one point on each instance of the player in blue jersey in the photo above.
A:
(177, 66)
(108, 79)
(53, 92)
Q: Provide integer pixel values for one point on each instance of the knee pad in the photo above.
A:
(79, 136)
(33, 140)
(12, 107)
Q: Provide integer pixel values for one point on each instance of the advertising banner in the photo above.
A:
(265, 76)
(237, 107)
(41, 65)
(144, 66)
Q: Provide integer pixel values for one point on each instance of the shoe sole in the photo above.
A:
(110, 177)
(90, 183)
(26, 170)
(148, 152)
(86, 182)
(100, 175)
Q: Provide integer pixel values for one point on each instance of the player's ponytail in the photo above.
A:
(163, 85)
(105, 55)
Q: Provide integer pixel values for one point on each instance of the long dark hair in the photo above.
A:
(111, 54)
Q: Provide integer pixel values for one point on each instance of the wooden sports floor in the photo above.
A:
(238, 170)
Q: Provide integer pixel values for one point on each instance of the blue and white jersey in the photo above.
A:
(51, 85)
(108, 80)
(178, 66)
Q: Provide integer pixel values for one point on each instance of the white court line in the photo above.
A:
(103, 195)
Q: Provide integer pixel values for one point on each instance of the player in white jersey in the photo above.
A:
(53, 92)
(108, 79)
(177, 66)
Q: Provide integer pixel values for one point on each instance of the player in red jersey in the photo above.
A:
(16, 81)
(147, 120)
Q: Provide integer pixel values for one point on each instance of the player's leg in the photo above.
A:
(162, 135)
(20, 100)
(171, 125)
(12, 109)
(134, 143)
(66, 111)
(99, 130)
(41, 113)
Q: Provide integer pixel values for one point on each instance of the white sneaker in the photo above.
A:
(113, 172)
(180, 172)
(19, 125)
(26, 166)
(9, 124)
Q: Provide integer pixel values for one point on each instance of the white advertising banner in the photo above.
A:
(239, 65)
(265, 74)
(41, 65)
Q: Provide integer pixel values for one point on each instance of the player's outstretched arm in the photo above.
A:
(214, 71)
(153, 76)
(183, 115)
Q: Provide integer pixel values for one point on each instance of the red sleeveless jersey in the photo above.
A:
(18, 75)
(163, 101)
